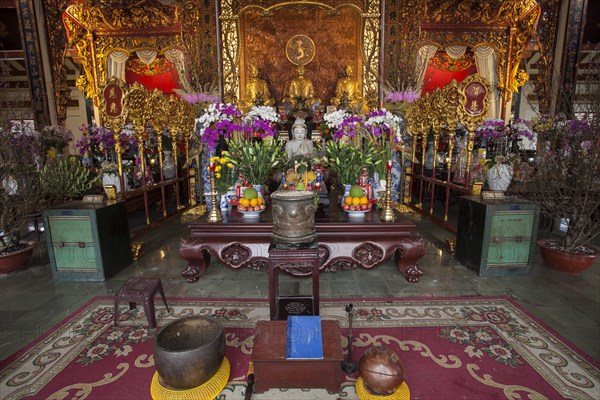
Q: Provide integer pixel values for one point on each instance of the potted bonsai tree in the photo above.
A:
(20, 191)
(566, 185)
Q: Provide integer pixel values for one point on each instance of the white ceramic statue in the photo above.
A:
(300, 145)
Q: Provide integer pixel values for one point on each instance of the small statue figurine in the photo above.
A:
(257, 92)
(363, 182)
(302, 92)
(347, 92)
(299, 145)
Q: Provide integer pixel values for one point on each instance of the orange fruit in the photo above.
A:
(355, 201)
(364, 200)
(348, 200)
(253, 202)
(244, 202)
(259, 201)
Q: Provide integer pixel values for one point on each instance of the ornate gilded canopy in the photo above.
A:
(98, 28)
(506, 26)
(380, 45)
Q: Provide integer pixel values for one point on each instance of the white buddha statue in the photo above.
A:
(299, 145)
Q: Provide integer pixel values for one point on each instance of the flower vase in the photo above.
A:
(261, 192)
(168, 166)
(499, 177)
(224, 202)
(346, 193)
(113, 179)
(206, 156)
(429, 156)
(379, 186)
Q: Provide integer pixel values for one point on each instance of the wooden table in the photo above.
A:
(293, 259)
(344, 243)
(273, 370)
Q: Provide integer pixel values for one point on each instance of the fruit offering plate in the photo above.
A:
(357, 213)
(250, 214)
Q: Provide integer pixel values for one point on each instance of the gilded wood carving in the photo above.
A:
(256, 33)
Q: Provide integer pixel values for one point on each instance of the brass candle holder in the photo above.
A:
(387, 213)
(214, 214)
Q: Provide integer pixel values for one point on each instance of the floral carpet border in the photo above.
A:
(561, 365)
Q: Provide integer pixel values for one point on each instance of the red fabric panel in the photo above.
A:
(440, 73)
(164, 82)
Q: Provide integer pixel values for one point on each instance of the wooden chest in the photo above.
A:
(273, 370)
(497, 237)
(87, 242)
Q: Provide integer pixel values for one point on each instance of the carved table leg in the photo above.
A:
(198, 259)
(407, 255)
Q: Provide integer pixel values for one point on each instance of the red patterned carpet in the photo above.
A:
(455, 348)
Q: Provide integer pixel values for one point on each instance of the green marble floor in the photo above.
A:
(31, 302)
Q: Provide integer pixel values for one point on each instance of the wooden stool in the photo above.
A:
(140, 290)
(296, 260)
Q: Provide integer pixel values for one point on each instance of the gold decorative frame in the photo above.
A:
(117, 121)
(469, 116)
(230, 40)
(302, 38)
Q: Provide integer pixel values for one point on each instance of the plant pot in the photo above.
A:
(567, 262)
(17, 259)
(499, 177)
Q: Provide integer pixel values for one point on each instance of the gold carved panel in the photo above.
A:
(336, 37)
(313, 19)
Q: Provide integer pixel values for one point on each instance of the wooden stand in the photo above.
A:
(273, 370)
(294, 260)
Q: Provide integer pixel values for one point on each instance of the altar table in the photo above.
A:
(344, 243)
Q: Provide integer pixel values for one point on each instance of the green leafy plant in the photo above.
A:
(346, 160)
(256, 160)
(65, 180)
(381, 152)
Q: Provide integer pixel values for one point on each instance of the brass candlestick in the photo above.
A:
(387, 213)
(214, 215)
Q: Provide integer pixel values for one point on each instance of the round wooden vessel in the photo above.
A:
(189, 351)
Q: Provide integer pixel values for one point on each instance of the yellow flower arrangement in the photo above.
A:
(225, 173)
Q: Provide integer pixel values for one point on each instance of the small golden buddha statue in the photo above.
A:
(302, 92)
(347, 92)
(257, 92)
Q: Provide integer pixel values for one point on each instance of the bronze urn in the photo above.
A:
(293, 217)
(188, 352)
(381, 370)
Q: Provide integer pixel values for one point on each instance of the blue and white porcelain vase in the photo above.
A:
(204, 161)
(224, 202)
(168, 166)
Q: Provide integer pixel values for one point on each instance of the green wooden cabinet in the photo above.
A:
(87, 242)
(497, 237)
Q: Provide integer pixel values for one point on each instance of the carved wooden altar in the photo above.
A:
(343, 243)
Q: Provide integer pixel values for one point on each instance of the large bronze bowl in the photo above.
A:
(189, 351)
(381, 370)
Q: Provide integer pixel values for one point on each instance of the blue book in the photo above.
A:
(304, 338)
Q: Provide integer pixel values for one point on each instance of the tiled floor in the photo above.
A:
(31, 302)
